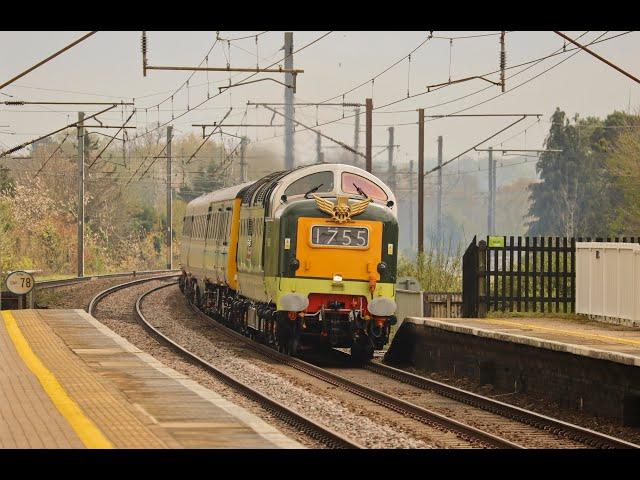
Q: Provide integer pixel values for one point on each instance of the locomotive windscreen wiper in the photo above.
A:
(313, 190)
(360, 191)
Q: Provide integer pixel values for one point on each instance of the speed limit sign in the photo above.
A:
(20, 282)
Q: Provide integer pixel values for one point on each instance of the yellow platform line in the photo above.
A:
(573, 333)
(90, 435)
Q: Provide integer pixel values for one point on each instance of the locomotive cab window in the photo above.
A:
(301, 186)
(351, 182)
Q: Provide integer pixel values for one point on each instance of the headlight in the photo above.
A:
(337, 278)
(382, 267)
(294, 263)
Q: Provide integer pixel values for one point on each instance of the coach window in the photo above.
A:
(304, 184)
(227, 224)
(219, 227)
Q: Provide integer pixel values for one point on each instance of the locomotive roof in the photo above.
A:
(276, 181)
(201, 204)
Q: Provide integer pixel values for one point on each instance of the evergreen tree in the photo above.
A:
(573, 197)
(206, 183)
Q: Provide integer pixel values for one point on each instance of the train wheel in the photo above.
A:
(283, 334)
(267, 332)
(275, 337)
(197, 298)
(362, 350)
(292, 345)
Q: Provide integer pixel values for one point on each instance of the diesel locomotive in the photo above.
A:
(299, 259)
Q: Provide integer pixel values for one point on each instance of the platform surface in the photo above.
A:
(67, 381)
(578, 336)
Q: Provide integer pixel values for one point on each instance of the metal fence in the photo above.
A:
(522, 274)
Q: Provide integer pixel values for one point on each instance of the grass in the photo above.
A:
(564, 316)
(48, 296)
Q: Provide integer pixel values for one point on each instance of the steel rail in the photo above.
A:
(291, 417)
(423, 415)
(108, 291)
(559, 427)
(42, 285)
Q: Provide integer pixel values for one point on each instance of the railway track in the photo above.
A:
(558, 427)
(436, 420)
(520, 418)
(312, 429)
(544, 424)
(43, 285)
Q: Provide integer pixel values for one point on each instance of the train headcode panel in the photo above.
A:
(329, 236)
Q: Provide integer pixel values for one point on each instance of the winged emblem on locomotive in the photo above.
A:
(341, 212)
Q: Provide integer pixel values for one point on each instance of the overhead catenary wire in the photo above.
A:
(529, 64)
(44, 164)
(26, 144)
(524, 82)
(318, 132)
(186, 82)
(142, 163)
(246, 78)
(255, 35)
(602, 59)
(379, 107)
(478, 91)
(473, 147)
(534, 62)
(110, 141)
(49, 58)
(209, 136)
(372, 79)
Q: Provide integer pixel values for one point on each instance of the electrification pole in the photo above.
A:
(490, 196)
(495, 191)
(439, 206)
(411, 196)
(319, 148)
(81, 152)
(391, 168)
(169, 200)
(288, 100)
(369, 113)
(420, 181)
(243, 163)
(491, 202)
(356, 136)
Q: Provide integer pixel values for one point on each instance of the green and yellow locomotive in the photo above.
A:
(303, 258)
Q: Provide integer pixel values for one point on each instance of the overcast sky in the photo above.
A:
(108, 67)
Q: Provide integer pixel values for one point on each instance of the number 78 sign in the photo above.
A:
(20, 282)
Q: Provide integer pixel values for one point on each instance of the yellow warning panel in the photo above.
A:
(90, 435)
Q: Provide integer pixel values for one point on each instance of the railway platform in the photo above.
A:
(67, 381)
(583, 337)
(579, 363)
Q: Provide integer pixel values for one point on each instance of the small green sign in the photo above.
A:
(496, 242)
